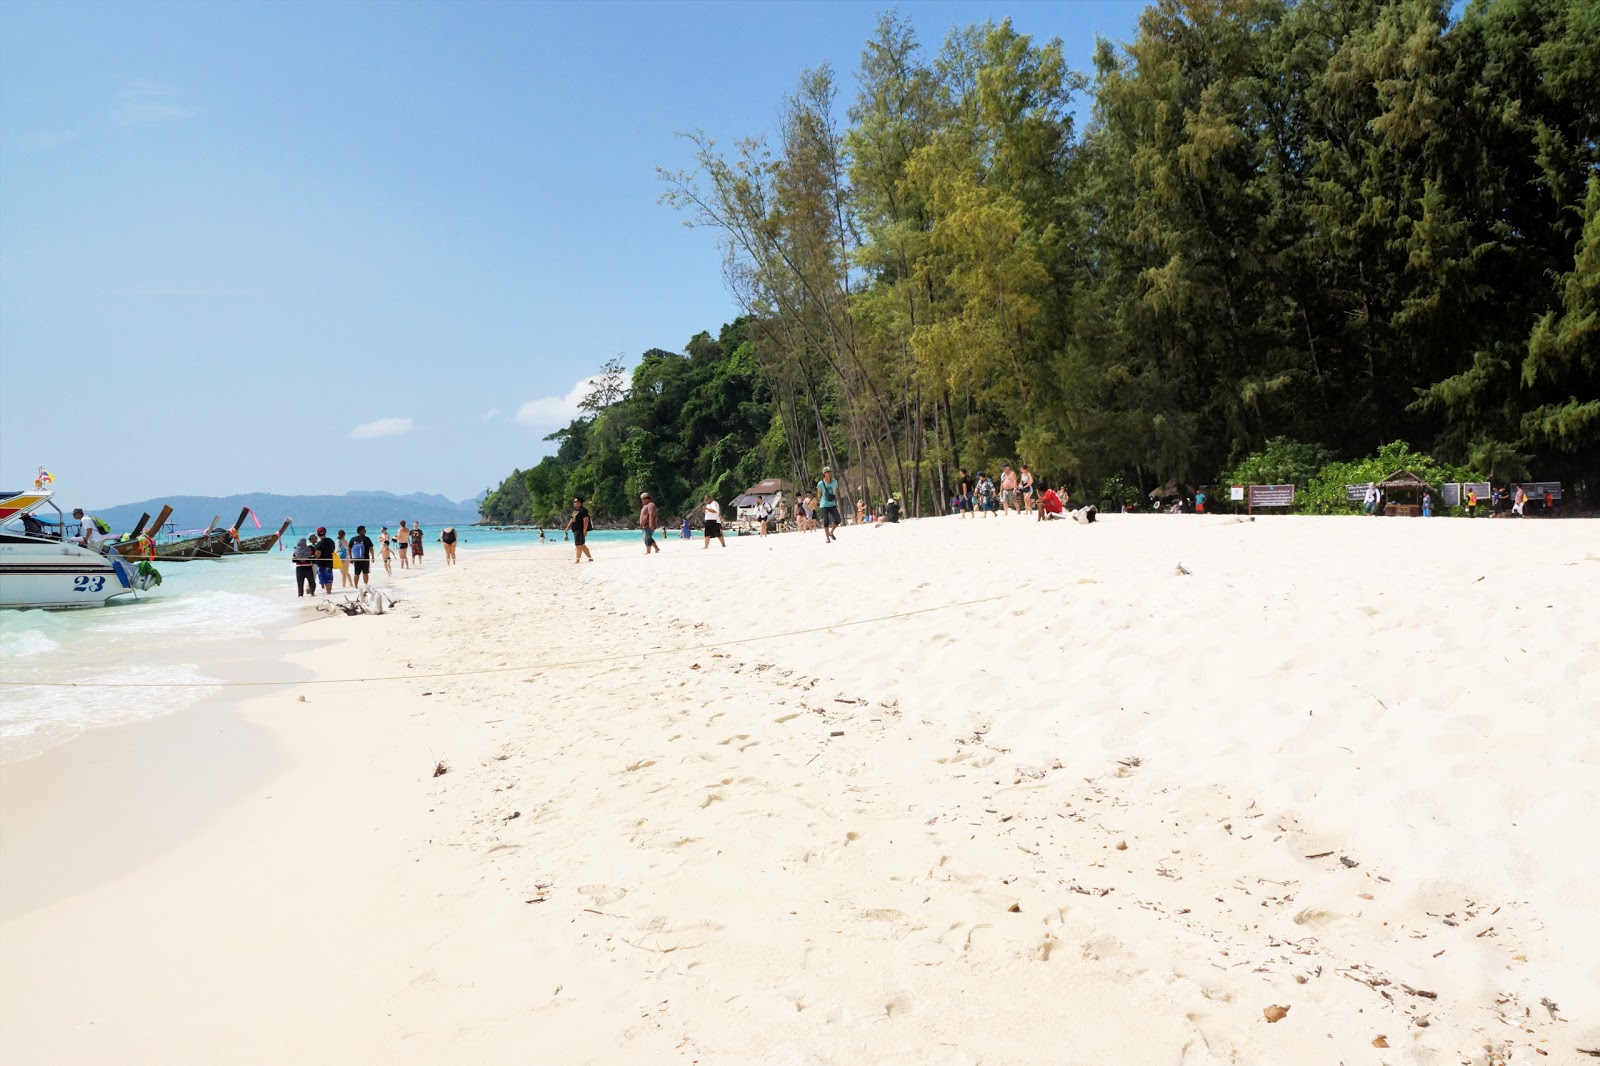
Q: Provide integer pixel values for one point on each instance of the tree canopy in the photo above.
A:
(1338, 222)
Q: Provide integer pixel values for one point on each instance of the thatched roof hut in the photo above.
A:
(1404, 481)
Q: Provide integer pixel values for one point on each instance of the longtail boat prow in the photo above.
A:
(257, 545)
(139, 544)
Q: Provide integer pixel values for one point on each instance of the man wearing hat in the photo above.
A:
(647, 522)
(323, 553)
(828, 502)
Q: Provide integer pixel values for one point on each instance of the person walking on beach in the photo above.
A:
(305, 574)
(1427, 505)
(323, 553)
(1025, 489)
(386, 552)
(861, 509)
(402, 543)
(1370, 503)
(578, 525)
(1472, 503)
(713, 527)
(1519, 506)
(361, 557)
(828, 502)
(448, 538)
(684, 529)
(964, 487)
(648, 523)
(416, 542)
(1008, 489)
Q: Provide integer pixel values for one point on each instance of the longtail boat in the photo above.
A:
(265, 543)
(196, 547)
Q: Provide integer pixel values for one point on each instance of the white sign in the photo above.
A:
(1236, 493)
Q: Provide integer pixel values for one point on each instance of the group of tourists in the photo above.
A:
(977, 495)
(318, 557)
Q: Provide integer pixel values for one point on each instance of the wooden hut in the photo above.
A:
(1404, 485)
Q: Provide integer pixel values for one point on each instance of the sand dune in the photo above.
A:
(946, 792)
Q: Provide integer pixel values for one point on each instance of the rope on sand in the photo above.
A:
(594, 661)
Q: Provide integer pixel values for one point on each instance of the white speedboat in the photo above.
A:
(42, 566)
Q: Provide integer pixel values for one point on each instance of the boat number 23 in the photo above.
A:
(86, 583)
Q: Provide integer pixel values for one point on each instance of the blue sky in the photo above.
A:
(305, 248)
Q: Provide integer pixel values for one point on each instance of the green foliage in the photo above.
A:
(683, 426)
(1281, 462)
(1341, 221)
(1324, 493)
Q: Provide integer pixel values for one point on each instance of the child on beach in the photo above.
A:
(386, 554)
(341, 552)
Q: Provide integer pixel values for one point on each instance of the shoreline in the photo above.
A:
(902, 774)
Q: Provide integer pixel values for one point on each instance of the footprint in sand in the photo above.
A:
(730, 740)
(640, 765)
(883, 914)
(600, 895)
(786, 718)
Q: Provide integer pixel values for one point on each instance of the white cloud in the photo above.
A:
(144, 102)
(490, 415)
(554, 411)
(383, 427)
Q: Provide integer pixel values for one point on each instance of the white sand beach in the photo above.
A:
(943, 792)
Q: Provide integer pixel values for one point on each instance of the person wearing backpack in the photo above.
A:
(305, 571)
(361, 556)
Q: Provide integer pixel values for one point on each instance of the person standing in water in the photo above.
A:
(578, 525)
(416, 542)
(341, 560)
(305, 573)
(402, 544)
(361, 557)
(323, 554)
(828, 502)
(447, 537)
(648, 523)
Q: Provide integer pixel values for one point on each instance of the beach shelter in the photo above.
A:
(1404, 484)
(762, 492)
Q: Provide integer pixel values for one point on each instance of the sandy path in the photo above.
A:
(1069, 821)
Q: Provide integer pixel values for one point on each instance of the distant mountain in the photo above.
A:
(372, 509)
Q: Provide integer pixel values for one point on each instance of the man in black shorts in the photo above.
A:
(578, 526)
(361, 556)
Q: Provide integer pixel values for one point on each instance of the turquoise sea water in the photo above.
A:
(203, 614)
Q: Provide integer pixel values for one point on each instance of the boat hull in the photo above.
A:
(60, 576)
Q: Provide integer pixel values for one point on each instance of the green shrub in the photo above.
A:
(1281, 462)
(1324, 492)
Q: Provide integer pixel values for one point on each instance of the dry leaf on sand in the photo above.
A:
(1275, 1013)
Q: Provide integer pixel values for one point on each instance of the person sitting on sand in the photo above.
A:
(1050, 504)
